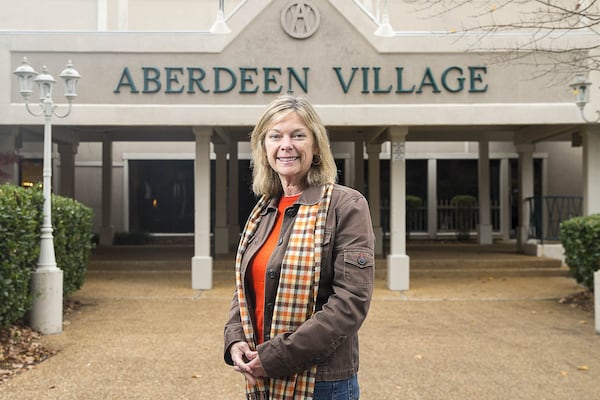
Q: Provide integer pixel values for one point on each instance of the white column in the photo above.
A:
(432, 200)
(398, 267)
(525, 152)
(359, 166)
(484, 229)
(123, 15)
(233, 197)
(373, 151)
(125, 192)
(107, 229)
(544, 211)
(102, 15)
(505, 210)
(221, 228)
(202, 261)
(591, 170)
(67, 153)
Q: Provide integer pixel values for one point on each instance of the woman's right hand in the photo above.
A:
(241, 355)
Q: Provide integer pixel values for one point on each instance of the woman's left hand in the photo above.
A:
(256, 366)
(252, 368)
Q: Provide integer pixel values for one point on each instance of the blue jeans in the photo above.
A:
(346, 389)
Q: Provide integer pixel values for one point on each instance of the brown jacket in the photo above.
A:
(329, 338)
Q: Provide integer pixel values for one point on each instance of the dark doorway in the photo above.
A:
(161, 196)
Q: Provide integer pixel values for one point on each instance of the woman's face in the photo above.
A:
(289, 146)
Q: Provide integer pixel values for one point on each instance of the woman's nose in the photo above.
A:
(286, 143)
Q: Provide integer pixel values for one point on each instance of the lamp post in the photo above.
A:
(47, 279)
(580, 86)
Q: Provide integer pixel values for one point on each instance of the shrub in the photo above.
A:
(580, 238)
(464, 201)
(72, 223)
(413, 201)
(20, 222)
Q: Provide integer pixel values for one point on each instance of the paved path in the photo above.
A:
(142, 333)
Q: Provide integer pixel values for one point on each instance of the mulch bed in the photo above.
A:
(21, 347)
(583, 300)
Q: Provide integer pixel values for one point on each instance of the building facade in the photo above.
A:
(158, 137)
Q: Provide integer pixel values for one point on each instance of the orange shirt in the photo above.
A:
(257, 269)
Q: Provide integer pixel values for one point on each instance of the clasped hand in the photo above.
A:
(246, 361)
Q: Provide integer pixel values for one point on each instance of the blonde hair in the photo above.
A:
(323, 170)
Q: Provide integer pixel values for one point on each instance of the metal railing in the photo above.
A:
(547, 212)
(450, 218)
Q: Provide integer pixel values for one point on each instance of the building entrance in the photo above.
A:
(161, 194)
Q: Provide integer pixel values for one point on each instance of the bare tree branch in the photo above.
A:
(552, 28)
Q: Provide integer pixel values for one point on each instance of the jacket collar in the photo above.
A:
(310, 196)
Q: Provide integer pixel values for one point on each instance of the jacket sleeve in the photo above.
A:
(233, 331)
(345, 309)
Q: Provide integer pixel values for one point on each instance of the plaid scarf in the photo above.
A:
(296, 293)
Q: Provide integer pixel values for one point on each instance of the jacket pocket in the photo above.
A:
(358, 266)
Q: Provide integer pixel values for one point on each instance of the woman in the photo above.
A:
(304, 266)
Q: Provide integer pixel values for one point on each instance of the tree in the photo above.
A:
(565, 32)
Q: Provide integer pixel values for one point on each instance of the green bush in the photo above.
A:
(20, 224)
(413, 201)
(464, 201)
(580, 238)
(72, 223)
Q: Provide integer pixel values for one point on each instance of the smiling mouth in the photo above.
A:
(288, 159)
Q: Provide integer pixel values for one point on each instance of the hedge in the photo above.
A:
(580, 238)
(72, 223)
(413, 202)
(20, 223)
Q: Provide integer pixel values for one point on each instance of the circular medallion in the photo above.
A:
(300, 19)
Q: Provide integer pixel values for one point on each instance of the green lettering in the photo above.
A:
(399, 89)
(126, 80)
(269, 78)
(377, 89)
(193, 80)
(151, 75)
(365, 71)
(303, 84)
(232, 83)
(475, 77)
(338, 73)
(246, 78)
(428, 80)
(172, 76)
(460, 79)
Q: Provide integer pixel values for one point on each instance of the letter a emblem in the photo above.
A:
(300, 19)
